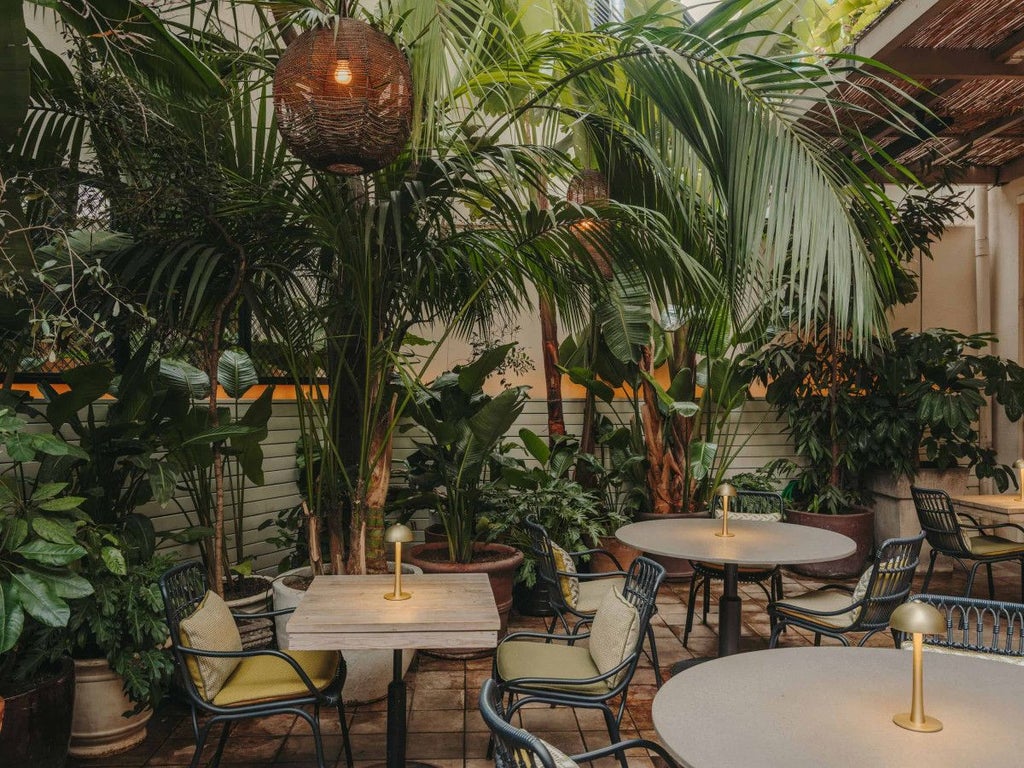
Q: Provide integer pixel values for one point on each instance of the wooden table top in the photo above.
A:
(754, 542)
(992, 502)
(818, 707)
(350, 612)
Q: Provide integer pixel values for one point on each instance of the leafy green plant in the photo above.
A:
(458, 462)
(40, 543)
(574, 517)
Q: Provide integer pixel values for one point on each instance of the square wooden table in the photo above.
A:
(350, 613)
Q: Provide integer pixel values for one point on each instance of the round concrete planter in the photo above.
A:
(35, 724)
(99, 728)
(369, 672)
(859, 526)
(256, 603)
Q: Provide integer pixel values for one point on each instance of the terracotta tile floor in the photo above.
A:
(444, 726)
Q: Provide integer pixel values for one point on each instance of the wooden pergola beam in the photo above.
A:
(951, 64)
(1010, 47)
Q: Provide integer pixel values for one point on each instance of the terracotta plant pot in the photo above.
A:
(859, 526)
(36, 724)
(369, 672)
(676, 568)
(98, 728)
(624, 553)
(498, 561)
(434, 534)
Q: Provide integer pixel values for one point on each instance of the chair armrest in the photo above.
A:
(542, 636)
(974, 521)
(597, 754)
(249, 654)
(811, 612)
(593, 576)
(264, 614)
(994, 526)
(598, 551)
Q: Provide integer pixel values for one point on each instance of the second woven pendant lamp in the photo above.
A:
(343, 98)
(589, 187)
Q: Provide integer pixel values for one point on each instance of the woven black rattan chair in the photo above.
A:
(517, 748)
(977, 626)
(266, 682)
(949, 534)
(558, 670)
(591, 587)
(760, 506)
(836, 609)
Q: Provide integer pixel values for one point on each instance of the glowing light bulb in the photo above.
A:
(342, 72)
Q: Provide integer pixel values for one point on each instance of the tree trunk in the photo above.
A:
(664, 478)
(552, 376)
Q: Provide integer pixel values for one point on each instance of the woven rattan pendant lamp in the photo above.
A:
(343, 97)
(589, 187)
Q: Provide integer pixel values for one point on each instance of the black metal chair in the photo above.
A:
(590, 587)
(759, 506)
(560, 671)
(265, 682)
(517, 748)
(836, 609)
(949, 535)
(978, 626)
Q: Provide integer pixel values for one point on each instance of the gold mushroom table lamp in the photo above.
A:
(397, 534)
(1019, 466)
(727, 493)
(918, 619)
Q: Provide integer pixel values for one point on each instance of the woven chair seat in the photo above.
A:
(264, 678)
(518, 659)
(994, 546)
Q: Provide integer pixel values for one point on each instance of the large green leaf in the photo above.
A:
(48, 553)
(473, 376)
(236, 373)
(12, 617)
(40, 599)
(185, 378)
(14, 70)
(87, 383)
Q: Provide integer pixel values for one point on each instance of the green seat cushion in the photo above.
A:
(267, 678)
(523, 658)
(994, 546)
(825, 600)
(592, 592)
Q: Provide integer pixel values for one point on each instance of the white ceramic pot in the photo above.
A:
(369, 672)
(98, 728)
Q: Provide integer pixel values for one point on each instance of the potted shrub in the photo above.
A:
(573, 517)
(39, 548)
(454, 467)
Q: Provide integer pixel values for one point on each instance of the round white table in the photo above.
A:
(831, 706)
(753, 543)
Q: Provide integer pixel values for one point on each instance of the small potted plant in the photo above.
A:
(453, 468)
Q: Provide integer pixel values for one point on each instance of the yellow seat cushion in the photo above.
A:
(592, 592)
(266, 678)
(826, 600)
(210, 627)
(993, 546)
(523, 658)
(569, 585)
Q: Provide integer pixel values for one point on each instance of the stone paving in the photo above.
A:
(444, 726)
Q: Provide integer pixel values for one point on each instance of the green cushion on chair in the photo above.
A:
(994, 546)
(825, 600)
(266, 678)
(522, 658)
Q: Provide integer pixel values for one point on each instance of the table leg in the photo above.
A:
(729, 611)
(397, 713)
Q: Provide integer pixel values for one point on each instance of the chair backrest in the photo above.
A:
(641, 589)
(890, 580)
(760, 506)
(981, 626)
(540, 548)
(939, 521)
(513, 747)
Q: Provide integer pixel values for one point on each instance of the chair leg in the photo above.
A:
(817, 638)
(970, 579)
(706, 587)
(318, 742)
(613, 733)
(654, 655)
(221, 743)
(991, 582)
(895, 638)
(780, 624)
(689, 609)
(931, 567)
(201, 734)
(346, 743)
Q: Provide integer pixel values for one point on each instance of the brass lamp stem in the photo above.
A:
(398, 594)
(725, 520)
(916, 719)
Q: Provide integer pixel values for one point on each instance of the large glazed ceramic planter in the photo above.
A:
(36, 723)
(498, 561)
(98, 728)
(859, 526)
(369, 672)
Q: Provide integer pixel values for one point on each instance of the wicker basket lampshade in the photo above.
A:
(343, 97)
(589, 187)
